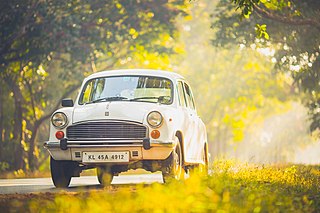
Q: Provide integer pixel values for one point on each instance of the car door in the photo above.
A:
(185, 121)
(194, 148)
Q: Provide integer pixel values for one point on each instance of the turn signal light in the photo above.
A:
(59, 135)
(155, 134)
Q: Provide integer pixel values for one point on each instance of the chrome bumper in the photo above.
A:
(86, 144)
(72, 151)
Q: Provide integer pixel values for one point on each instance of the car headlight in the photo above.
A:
(59, 120)
(154, 119)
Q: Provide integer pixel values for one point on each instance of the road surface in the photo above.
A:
(21, 186)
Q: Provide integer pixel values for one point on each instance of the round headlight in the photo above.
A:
(154, 119)
(59, 120)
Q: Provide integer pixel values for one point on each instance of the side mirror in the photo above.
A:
(67, 102)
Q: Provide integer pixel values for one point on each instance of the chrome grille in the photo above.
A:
(106, 130)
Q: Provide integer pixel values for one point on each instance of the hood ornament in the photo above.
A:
(107, 113)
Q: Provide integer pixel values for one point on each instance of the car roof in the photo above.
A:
(140, 72)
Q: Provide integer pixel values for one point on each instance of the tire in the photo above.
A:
(205, 167)
(173, 165)
(202, 169)
(104, 176)
(61, 172)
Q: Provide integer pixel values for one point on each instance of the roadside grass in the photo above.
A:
(24, 174)
(232, 187)
(38, 174)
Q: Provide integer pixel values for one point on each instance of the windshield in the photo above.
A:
(127, 88)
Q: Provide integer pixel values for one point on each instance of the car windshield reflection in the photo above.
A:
(127, 88)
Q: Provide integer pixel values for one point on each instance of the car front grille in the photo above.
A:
(106, 130)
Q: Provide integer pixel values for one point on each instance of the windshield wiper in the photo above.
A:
(160, 99)
(142, 98)
(115, 98)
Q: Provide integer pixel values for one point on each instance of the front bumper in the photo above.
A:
(139, 150)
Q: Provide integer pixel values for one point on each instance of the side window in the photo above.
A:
(87, 92)
(182, 99)
(189, 96)
(192, 99)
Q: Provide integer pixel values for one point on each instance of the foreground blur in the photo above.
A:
(232, 187)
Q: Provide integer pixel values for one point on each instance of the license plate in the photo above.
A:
(97, 157)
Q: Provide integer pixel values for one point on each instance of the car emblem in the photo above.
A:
(107, 107)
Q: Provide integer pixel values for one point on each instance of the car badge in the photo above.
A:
(107, 107)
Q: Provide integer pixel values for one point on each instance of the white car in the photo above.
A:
(127, 119)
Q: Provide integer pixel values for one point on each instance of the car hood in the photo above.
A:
(116, 110)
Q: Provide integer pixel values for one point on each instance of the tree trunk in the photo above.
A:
(17, 135)
(17, 127)
(31, 158)
(1, 120)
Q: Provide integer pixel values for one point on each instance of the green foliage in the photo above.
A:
(4, 166)
(37, 30)
(246, 6)
(292, 26)
(261, 31)
(235, 88)
(232, 187)
(47, 47)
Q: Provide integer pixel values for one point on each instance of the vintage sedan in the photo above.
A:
(127, 119)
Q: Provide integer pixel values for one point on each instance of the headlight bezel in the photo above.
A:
(150, 120)
(64, 116)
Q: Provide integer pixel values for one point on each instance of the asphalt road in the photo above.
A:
(22, 186)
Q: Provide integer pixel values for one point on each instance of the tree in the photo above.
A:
(234, 88)
(63, 41)
(290, 27)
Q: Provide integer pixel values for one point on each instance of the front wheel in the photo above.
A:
(104, 175)
(173, 166)
(61, 172)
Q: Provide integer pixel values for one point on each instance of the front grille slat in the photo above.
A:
(106, 130)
